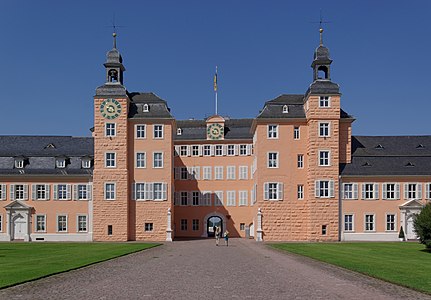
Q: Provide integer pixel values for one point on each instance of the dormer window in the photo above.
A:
(145, 108)
(285, 109)
(60, 163)
(179, 131)
(420, 146)
(19, 163)
(50, 146)
(410, 164)
(86, 163)
(366, 164)
(379, 146)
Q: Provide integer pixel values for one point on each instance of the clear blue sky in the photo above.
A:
(52, 54)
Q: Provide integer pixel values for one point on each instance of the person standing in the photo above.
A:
(217, 235)
(226, 237)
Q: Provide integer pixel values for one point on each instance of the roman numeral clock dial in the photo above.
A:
(110, 109)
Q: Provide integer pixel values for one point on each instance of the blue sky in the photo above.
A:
(53, 51)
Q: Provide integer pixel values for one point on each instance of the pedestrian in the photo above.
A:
(217, 235)
(226, 237)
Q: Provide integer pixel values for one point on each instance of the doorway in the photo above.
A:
(19, 227)
(213, 222)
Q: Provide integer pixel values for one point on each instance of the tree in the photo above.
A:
(422, 224)
(401, 236)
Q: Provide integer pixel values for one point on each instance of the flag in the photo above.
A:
(215, 81)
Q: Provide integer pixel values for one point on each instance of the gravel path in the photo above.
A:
(200, 270)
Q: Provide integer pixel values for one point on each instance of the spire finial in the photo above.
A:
(114, 35)
(321, 35)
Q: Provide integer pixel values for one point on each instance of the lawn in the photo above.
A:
(21, 262)
(405, 264)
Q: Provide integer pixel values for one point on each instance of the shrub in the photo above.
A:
(422, 225)
(401, 234)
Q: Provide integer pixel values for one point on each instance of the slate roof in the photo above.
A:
(235, 129)
(158, 108)
(389, 155)
(40, 153)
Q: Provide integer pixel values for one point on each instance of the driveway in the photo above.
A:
(199, 270)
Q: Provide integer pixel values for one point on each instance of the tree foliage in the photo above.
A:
(422, 224)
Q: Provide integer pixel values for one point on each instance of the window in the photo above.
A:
(86, 163)
(390, 222)
(110, 129)
(2, 191)
(82, 191)
(40, 191)
(195, 198)
(158, 191)
(179, 131)
(428, 191)
(231, 198)
(369, 222)
(110, 160)
(242, 150)
(141, 131)
(183, 150)
(60, 163)
(157, 160)
(350, 191)
(150, 191)
(300, 163)
(412, 191)
(324, 189)
(324, 129)
(272, 131)
(194, 173)
(218, 198)
(207, 173)
(390, 191)
(62, 192)
(184, 224)
(109, 229)
(324, 101)
(243, 172)
(370, 191)
(230, 150)
(140, 160)
(300, 190)
(324, 158)
(231, 170)
(273, 191)
(348, 222)
(206, 197)
(110, 191)
(139, 191)
(243, 198)
(272, 159)
(158, 131)
(184, 174)
(62, 223)
(40, 223)
(218, 173)
(324, 229)
(195, 224)
(145, 108)
(82, 223)
(184, 198)
(242, 226)
(19, 191)
(148, 226)
(218, 150)
(207, 150)
(195, 150)
(19, 163)
(296, 133)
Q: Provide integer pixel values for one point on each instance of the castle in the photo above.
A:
(292, 173)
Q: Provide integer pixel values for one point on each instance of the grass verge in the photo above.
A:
(406, 264)
(21, 262)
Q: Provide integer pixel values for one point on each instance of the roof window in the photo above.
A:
(285, 109)
(19, 162)
(409, 164)
(145, 108)
(379, 146)
(366, 164)
(179, 131)
(420, 146)
(50, 146)
(60, 162)
(86, 163)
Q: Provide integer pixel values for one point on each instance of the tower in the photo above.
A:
(110, 178)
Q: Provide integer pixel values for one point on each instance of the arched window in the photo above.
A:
(113, 75)
(179, 131)
(145, 108)
(285, 109)
(322, 72)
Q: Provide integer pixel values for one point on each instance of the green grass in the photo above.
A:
(21, 262)
(406, 264)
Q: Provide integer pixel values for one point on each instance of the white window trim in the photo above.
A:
(299, 133)
(298, 160)
(376, 192)
(136, 132)
(276, 161)
(35, 222)
(154, 161)
(243, 170)
(231, 173)
(395, 222)
(145, 160)
(47, 192)
(86, 163)
(353, 222)
(329, 102)
(329, 129)
(19, 163)
(218, 195)
(67, 223)
(397, 192)
(60, 163)
(331, 188)
(374, 222)
(218, 173)
(243, 198)
(115, 160)
(276, 132)
(300, 188)
(77, 223)
(106, 129)
(230, 198)
(329, 158)
(1, 223)
(154, 132)
(355, 191)
(428, 190)
(115, 191)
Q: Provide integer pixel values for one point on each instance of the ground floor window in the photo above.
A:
(1, 223)
(390, 222)
(109, 229)
(82, 223)
(242, 226)
(369, 223)
(324, 229)
(40, 223)
(62, 223)
(184, 224)
(348, 222)
(195, 225)
(148, 227)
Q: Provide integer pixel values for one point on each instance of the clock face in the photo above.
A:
(110, 109)
(215, 131)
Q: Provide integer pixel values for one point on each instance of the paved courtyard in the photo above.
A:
(199, 270)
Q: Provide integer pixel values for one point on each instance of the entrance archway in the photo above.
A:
(212, 223)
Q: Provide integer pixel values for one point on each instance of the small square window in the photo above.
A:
(149, 227)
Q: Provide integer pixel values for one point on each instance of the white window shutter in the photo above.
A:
(419, 194)
(197, 173)
(331, 189)
(176, 198)
(266, 191)
(427, 190)
(189, 198)
(25, 192)
(235, 150)
(164, 191)
(200, 150)
(177, 173)
(376, 191)
(212, 150)
(397, 191)
(134, 191)
(189, 173)
(3, 192)
(188, 150)
(355, 191)
(363, 191)
(249, 149)
(75, 192)
(89, 191)
(68, 191)
(33, 192)
(150, 191)
(280, 191)
(12, 192)
(406, 193)
(47, 191)
(55, 191)
(384, 191)
(177, 151)
(317, 189)
(224, 150)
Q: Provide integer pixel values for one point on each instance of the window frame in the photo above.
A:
(324, 129)
(110, 129)
(324, 101)
(158, 131)
(110, 160)
(367, 223)
(324, 161)
(272, 131)
(36, 223)
(272, 163)
(158, 163)
(393, 223)
(300, 161)
(112, 193)
(65, 223)
(296, 133)
(78, 223)
(140, 131)
(140, 163)
(349, 222)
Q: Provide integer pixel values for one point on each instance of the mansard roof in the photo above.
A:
(157, 107)
(235, 129)
(389, 156)
(40, 154)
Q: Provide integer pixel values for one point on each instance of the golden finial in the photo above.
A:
(321, 36)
